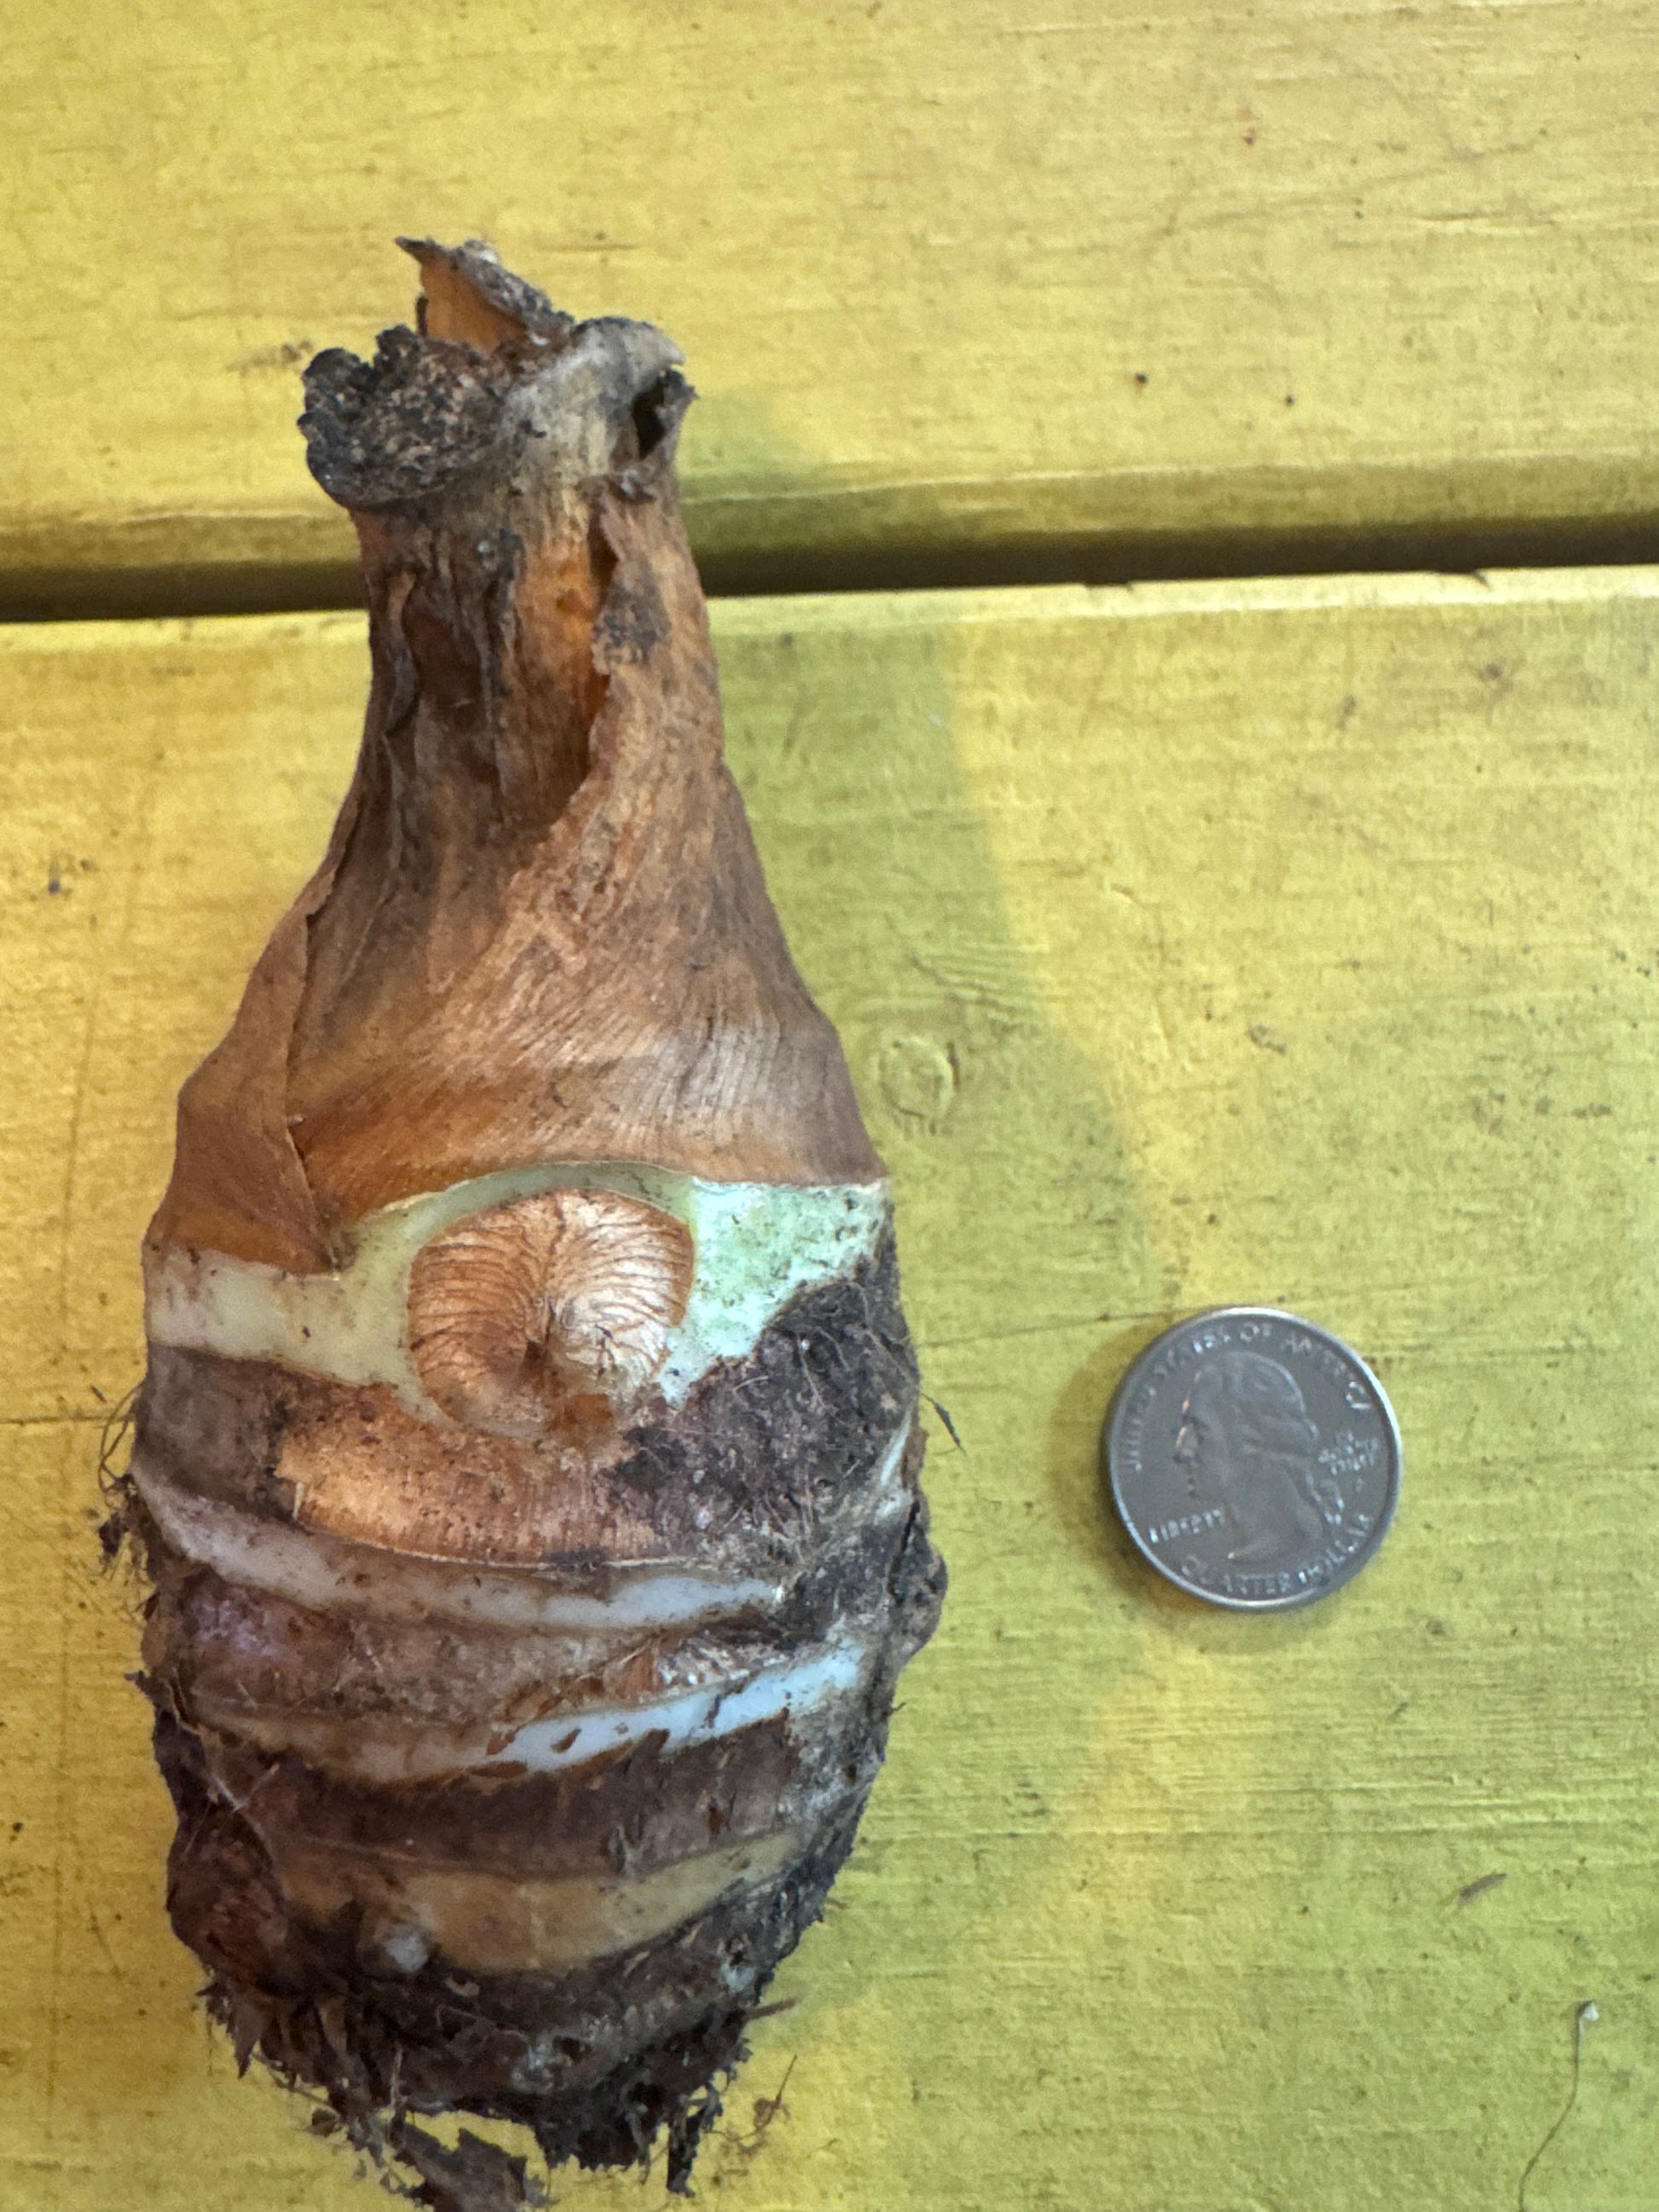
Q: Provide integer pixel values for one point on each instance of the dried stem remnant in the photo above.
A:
(527, 1462)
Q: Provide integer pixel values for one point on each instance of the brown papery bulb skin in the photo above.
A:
(527, 1465)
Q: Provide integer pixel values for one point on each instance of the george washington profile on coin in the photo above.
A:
(1245, 1444)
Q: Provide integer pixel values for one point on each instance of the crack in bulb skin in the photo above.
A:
(551, 1313)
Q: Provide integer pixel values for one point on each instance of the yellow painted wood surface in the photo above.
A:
(1281, 943)
(1001, 279)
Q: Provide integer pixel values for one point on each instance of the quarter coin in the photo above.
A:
(1254, 1458)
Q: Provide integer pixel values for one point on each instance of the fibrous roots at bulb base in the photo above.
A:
(526, 1465)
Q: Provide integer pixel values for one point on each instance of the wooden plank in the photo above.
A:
(1290, 943)
(974, 289)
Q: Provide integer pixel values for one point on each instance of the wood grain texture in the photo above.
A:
(1281, 943)
(1055, 291)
